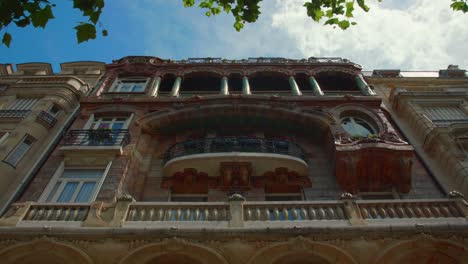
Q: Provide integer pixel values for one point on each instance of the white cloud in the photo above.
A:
(410, 35)
(425, 34)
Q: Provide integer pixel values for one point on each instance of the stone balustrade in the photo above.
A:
(57, 212)
(290, 211)
(178, 212)
(239, 213)
(408, 209)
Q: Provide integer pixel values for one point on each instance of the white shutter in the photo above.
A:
(445, 114)
(24, 104)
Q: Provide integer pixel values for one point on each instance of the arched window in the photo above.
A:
(356, 126)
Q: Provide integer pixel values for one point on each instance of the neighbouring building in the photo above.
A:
(35, 107)
(207, 160)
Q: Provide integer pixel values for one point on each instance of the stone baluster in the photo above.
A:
(224, 86)
(294, 88)
(176, 87)
(245, 86)
(315, 86)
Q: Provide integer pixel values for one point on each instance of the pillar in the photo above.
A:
(176, 87)
(154, 89)
(315, 86)
(245, 86)
(224, 86)
(363, 86)
(294, 88)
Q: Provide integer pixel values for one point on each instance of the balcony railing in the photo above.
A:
(239, 213)
(46, 119)
(233, 144)
(97, 137)
(14, 113)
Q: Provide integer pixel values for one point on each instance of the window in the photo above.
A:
(74, 185)
(445, 115)
(130, 85)
(53, 110)
(17, 154)
(113, 123)
(356, 126)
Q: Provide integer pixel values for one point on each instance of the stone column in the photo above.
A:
(294, 88)
(363, 86)
(224, 86)
(176, 87)
(245, 86)
(154, 89)
(315, 86)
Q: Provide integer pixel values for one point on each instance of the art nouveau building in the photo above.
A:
(265, 160)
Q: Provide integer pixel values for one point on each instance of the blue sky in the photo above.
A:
(410, 35)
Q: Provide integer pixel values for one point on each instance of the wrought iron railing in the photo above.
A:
(233, 144)
(14, 113)
(97, 137)
(46, 118)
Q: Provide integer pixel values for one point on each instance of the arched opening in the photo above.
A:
(301, 257)
(43, 251)
(300, 250)
(235, 84)
(167, 81)
(302, 81)
(269, 83)
(173, 251)
(173, 259)
(196, 146)
(332, 82)
(200, 83)
(424, 250)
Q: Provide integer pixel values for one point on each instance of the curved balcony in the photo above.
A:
(207, 154)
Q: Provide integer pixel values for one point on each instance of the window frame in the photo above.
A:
(92, 119)
(11, 153)
(59, 173)
(352, 118)
(119, 82)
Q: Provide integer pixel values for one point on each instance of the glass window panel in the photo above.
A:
(52, 193)
(85, 193)
(83, 174)
(67, 192)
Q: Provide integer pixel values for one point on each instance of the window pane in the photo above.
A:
(67, 192)
(19, 151)
(52, 193)
(85, 192)
(83, 174)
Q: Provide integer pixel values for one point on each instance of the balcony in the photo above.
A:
(239, 213)
(98, 139)
(206, 155)
(14, 113)
(46, 119)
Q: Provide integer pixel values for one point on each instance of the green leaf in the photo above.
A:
(85, 32)
(344, 24)
(42, 16)
(349, 9)
(238, 25)
(6, 39)
(104, 33)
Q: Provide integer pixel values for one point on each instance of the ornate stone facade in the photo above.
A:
(264, 160)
